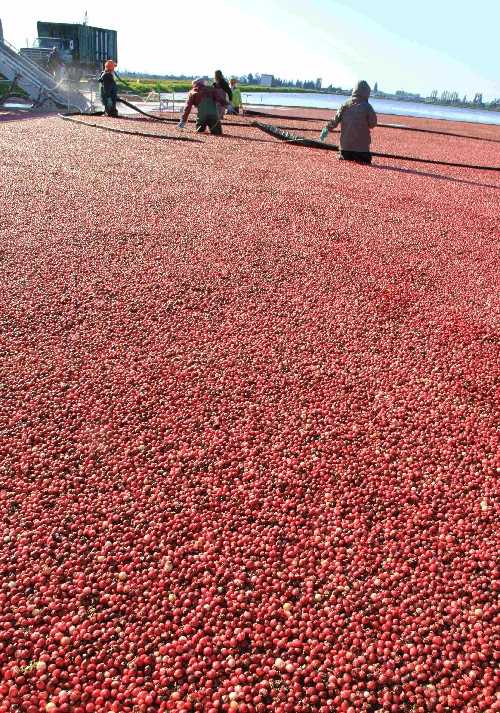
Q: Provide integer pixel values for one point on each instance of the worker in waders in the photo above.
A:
(220, 82)
(109, 92)
(356, 117)
(236, 101)
(205, 99)
(56, 65)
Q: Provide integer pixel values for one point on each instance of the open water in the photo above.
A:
(383, 106)
(330, 102)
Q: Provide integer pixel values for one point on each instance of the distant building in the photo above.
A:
(267, 80)
(406, 96)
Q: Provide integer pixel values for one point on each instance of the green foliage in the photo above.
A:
(144, 86)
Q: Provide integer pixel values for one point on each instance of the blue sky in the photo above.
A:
(416, 46)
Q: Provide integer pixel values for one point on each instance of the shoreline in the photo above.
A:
(387, 113)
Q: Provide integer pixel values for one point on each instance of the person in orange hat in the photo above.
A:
(109, 93)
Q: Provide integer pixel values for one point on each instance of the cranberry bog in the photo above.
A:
(249, 418)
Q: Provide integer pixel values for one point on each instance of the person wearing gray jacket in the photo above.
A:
(356, 117)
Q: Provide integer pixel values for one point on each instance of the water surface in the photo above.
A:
(330, 102)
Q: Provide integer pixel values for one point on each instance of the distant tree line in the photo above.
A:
(245, 79)
(148, 75)
(453, 98)
(315, 84)
(311, 84)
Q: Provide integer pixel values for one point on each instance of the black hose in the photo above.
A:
(434, 161)
(123, 101)
(70, 117)
(310, 143)
(252, 112)
(193, 121)
(144, 113)
(123, 81)
(176, 121)
(435, 131)
(158, 118)
(82, 113)
(303, 128)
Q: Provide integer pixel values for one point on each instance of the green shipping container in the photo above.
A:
(91, 46)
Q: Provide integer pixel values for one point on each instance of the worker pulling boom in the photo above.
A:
(356, 117)
(205, 99)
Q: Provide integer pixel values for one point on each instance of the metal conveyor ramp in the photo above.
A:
(40, 85)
